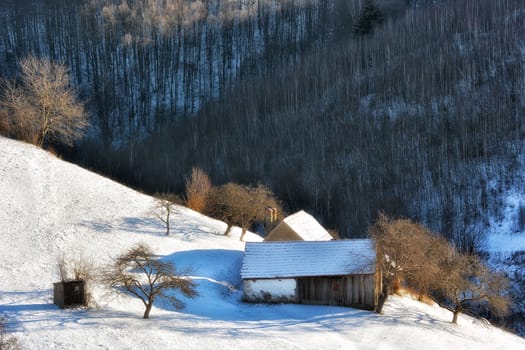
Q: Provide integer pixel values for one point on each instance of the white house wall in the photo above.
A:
(270, 290)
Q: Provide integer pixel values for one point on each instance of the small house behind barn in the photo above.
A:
(341, 272)
(69, 293)
(300, 226)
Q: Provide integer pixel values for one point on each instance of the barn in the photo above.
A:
(300, 226)
(341, 272)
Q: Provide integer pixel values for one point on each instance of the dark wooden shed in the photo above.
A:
(341, 272)
(69, 293)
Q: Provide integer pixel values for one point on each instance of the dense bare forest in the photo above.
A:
(415, 118)
(419, 115)
(142, 63)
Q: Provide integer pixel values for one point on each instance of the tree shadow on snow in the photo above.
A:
(101, 227)
(142, 225)
(138, 225)
(185, 230)
(181, 227)
(25, 307)
(217, 275)
(21, 314)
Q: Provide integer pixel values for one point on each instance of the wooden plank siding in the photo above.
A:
(354, 290)
(69, 293)
(282, 232)
(300, 226)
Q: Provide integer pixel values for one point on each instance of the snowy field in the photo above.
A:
(50, 208)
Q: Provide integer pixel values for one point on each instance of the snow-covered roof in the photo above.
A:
(307, 227)
(303, 258)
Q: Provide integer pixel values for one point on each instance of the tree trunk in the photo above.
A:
(148, 309)
(228, 230)
(383, 297)
(243, 233)
(168, 222)
(456, 314)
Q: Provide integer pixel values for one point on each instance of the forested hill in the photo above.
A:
(142, 63)
(421, 117)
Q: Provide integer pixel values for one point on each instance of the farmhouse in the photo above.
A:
(341, 272)
(300, 226)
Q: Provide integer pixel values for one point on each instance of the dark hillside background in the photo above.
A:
(417, 119)
(422, 117)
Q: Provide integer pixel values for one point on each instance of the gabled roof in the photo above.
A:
(307, 227)
(303, 258)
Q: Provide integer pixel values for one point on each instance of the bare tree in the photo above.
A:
(164, 207)
(425, 275)
(43, 105)
(139, 272)
(465, 281)
(400, 253)
(428, 263)
(240, 205)
(469, 240)
(408, 251)
(4, 123)
(198, 187)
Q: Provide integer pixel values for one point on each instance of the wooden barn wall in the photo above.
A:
(282, 232)
(354, 290)
(69, 293)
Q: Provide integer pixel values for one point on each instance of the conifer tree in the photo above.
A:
(370, 16)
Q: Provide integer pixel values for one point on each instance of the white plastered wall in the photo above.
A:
(270, 290)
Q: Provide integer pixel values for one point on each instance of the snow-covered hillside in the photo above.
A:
(50, 208)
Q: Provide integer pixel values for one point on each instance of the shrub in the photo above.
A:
(198, 187)
(79, 268)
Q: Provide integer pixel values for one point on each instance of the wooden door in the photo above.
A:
(321, 290)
